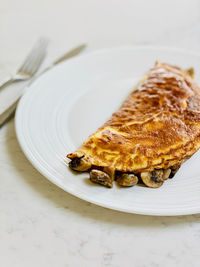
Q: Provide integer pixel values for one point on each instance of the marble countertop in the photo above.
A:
(40, 224)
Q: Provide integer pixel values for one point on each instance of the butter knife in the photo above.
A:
(9, 112)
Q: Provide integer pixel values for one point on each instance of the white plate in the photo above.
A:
(69, 102)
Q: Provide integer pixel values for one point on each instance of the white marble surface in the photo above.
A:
(40, 224)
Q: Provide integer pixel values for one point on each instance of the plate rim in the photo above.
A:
(47, 175)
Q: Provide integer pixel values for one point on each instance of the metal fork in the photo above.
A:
(9, 112)
(31, 64)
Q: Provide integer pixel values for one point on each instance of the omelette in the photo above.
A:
(147, 139)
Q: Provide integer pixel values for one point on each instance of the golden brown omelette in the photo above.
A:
(155, 130)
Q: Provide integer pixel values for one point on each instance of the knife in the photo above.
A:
(9, 112)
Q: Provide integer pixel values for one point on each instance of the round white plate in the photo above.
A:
(71, 101)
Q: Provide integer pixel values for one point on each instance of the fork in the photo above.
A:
(9, 112)
(30, 65)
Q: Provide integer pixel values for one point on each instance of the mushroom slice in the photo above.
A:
(157, 176)
(174, 169)
(152, 179)
(166, 174)
(110, 172)
(127, 180)
(101, 177)
(79, 164)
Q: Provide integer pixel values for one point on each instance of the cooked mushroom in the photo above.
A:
(153, 179)
(101, 177)
(127, 180)
(157, 176)
(110, 171)
(166, 174)
(174, 169)
(79, 164)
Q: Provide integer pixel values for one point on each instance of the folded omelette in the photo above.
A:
(155, 130)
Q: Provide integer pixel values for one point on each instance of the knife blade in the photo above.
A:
(9, 112)
(71, 53)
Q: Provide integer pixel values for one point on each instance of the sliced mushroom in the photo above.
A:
(127, 180)
(101, 177)
(166, 174)
(157, 176)
(174, 169)
(79, 164)
(153, 179)
(110, 172)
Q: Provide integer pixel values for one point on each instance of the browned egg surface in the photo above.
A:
(158, 125)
